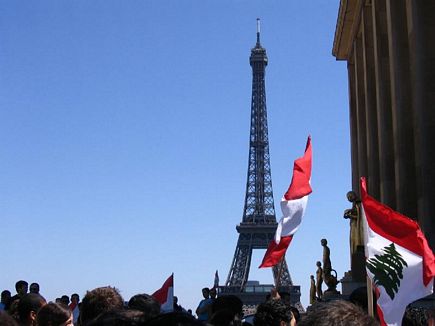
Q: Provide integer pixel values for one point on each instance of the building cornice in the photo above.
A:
(349, 15)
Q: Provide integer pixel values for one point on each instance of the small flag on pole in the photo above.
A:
(165, 295)
(293, 206)
(399, 261)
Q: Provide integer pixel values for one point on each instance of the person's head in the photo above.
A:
(5, 296)
(323, 242)
(119, 318)
(430, 317)
(206, 293)
(21, 287)
(28, 307)
(335, 313)
(175, 319)
(6, 319)
(273, 313)
(227, 307)
(54, 314)
(64, 300)
(99, 300)
(225, 317)
(312, 277)
(228, 302)
(296, 314)
(318, 264)
(285, 297)
(213, 293)
(75, 298)
(34, 288)
(145, 303)
(351, 196)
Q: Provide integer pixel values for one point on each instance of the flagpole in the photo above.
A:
(370, 297)
(277, 282)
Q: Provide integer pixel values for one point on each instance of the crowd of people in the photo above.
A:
(104, 306)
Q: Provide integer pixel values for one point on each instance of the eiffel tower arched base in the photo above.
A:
(253, 295)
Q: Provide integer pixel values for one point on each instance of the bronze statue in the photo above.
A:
(327, 267)
(319, 280)
(356, 237)
(330, 280)
(312, 290)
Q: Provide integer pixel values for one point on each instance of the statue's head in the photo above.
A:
(323, 242)
(351, 196)
(312, 277)
(318, 264)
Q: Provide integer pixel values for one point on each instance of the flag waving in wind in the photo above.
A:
(165, 295)
(293, 206)
(399, 261)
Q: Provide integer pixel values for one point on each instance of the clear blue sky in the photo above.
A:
(124, 129)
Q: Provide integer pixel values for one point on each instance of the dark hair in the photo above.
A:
(338, 312)
(6, 319)
(6, 294)
(52, 314)
(224, 317)
(28, 303)
(174, 319)
(145, 303)
(20, 284)
(205, 289)
(296, 313)
(118, 318)
(34, 285)
(99, 300)
(228, 302)
(271, 313)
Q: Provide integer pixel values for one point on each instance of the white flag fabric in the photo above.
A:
(165, 295)
(293, 206)
(399, 260)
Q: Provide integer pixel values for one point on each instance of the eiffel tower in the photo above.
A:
(258, 225)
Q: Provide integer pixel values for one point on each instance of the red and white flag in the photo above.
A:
(399, 261)
(165, 295)
(293, 206)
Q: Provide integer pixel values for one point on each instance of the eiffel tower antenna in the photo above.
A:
(258, 224)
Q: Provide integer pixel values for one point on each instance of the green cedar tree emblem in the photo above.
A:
(387, 269)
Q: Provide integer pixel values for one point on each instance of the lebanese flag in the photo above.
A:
(293, 206)
(399, 261)
(165, 295)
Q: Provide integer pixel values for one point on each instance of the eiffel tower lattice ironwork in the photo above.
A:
(258, 225)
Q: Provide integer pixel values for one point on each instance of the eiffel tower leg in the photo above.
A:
(239, 271)
(281, 271)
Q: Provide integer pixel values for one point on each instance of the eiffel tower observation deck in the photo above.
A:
(258, 224)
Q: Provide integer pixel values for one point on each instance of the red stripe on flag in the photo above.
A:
(398, 229)
(300, 184)
(378, 308)
(161, 295)
(275, 252)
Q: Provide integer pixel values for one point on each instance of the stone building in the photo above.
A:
(389, 46)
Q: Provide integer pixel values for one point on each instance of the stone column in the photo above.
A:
(421, 34)
(383, 103)
(370, 103)
(401, 101)
(360, 106)
(353, 119)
